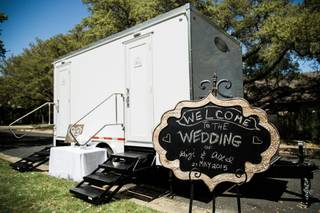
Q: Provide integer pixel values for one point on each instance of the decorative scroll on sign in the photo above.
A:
(221, 139)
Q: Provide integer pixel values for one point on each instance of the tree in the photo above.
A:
(110, 16)
(3, 17)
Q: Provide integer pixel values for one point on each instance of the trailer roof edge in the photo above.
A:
(132, 30)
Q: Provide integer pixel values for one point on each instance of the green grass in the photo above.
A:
(38, 192)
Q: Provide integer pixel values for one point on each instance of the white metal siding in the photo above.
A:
(96, 75)
(170, 65)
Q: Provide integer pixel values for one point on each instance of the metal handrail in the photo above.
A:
(85, 143)
(29, 113)
(92, 110)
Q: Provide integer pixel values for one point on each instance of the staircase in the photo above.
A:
(105, 181)
(33, 161)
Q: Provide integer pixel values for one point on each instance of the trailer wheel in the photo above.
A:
(107, 147)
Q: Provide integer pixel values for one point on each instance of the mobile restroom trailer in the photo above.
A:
(120, 86)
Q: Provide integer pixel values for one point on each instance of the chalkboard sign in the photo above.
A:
(217, 138)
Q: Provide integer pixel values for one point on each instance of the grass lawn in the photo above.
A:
(38, 192)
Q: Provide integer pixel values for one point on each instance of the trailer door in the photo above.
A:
(139, 97)
(63, 100)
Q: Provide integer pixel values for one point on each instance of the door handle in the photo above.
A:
(57, 106)
(128, 97)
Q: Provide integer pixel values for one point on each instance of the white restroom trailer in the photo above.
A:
(154, 65)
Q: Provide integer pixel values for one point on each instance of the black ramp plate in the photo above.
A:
(103, 179)
(90, 192)
(139, 155)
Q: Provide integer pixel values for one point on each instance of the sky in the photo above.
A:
(29, 19)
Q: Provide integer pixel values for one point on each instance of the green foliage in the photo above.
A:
(3, 17)
(274, 35)
(28, 78)
(38, 192)
(270, 33)
(110, 16)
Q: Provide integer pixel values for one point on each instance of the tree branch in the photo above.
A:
(263, 73)
(303, 89)
(255, 50)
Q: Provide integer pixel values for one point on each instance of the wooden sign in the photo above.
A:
(76, 130)
(217, 138)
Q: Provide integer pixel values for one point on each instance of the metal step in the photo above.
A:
(114, 172)
(101, 179)
(89, 193)
(125, 162)
(131, 155)
(119, 166)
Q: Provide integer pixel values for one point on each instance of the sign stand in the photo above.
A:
(197, 174)
(213, 202)
(238, 199)
(215, 91)
(239, 174)
(171, 194)
(191, 196)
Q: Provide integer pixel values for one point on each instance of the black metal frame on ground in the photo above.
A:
(32, 161)
(197, 173)
(294, 169)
